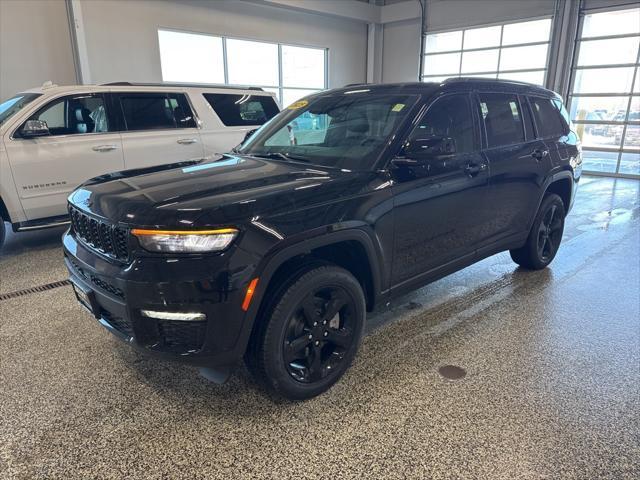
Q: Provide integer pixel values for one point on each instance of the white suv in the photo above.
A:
(54, 138)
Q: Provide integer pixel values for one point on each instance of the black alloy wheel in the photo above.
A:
(308, 333)
(550, 234)
(545, 236)
(319, 334)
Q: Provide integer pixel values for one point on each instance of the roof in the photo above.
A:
(455, 84)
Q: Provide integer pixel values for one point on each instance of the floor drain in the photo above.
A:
(39, 288)
(452, 372)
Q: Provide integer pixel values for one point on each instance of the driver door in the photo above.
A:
(440, 190)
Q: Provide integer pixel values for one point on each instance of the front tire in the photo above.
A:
(545, 236)
(312, 333)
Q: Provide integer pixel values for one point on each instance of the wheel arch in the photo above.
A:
(560, 183)
(332, 247)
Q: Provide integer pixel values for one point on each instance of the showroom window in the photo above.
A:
(513, 51)
(605, 92)
(291, 72)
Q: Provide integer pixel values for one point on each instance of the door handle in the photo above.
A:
(473, 169)
(539, 154)
(187, 141)
(104, 148)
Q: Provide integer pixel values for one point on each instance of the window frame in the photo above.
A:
(500, 47)
(280, 87)
(111, 118)
(485, 135)
(428, 105)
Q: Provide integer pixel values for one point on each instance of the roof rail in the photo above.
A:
(193, 85)
(488, 80)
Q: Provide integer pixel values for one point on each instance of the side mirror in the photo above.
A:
(34, 128)
(249, 134)
(425, 148)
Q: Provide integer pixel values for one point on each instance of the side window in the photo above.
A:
(502, 119)
(449, 117)
(548, 117)
(156, 111)
(181, 109)
(242, 110)
(75, 114)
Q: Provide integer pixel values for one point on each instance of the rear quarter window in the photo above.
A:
(550, 116)
(242, 110)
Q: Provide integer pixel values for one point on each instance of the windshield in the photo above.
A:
(345, 130)
(15, 104)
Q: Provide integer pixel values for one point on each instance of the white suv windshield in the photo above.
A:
(15, 104)
(347, 131)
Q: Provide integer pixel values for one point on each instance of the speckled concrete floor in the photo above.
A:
(552, 387)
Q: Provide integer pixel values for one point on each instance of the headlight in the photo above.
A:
(185, 241)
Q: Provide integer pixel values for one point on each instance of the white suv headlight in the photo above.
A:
(185, 241)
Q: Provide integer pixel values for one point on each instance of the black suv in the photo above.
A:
(275, 252)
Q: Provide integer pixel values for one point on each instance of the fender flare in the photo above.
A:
(561, 175)
(270, 265)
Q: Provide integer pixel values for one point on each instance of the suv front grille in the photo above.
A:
(108, 239)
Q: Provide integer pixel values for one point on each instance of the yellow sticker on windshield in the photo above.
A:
(397, 107)
(298, 104)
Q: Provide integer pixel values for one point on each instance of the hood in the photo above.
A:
(224, 191)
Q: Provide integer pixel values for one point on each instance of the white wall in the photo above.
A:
(122, 39)
(402, 39)
(35, 45)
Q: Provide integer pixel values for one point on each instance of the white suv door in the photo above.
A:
(81, 144)
(159, 128)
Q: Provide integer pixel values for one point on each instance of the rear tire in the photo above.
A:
(545, 236)
(310, 335)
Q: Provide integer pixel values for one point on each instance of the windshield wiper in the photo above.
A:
(281, 156)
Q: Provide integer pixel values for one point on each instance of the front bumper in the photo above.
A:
(180, 284)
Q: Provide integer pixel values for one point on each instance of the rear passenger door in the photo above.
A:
(518, 162)
(552, 125)
(158, 128)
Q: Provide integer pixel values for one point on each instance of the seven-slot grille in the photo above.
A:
(99, 235)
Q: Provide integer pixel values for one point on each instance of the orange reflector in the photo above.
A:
(249, 295)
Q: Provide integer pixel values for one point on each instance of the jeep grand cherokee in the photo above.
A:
(274, 253)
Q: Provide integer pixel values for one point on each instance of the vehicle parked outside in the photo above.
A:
(53, 138)
(346, 199)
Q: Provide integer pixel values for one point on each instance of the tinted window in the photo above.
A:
(152, 111)
(502, 119)
(239, 110)
(548, 117)
(333, 130)
(75, 114)
(448, 117)
(528, 121)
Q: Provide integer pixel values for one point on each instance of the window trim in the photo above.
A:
(15, 134)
